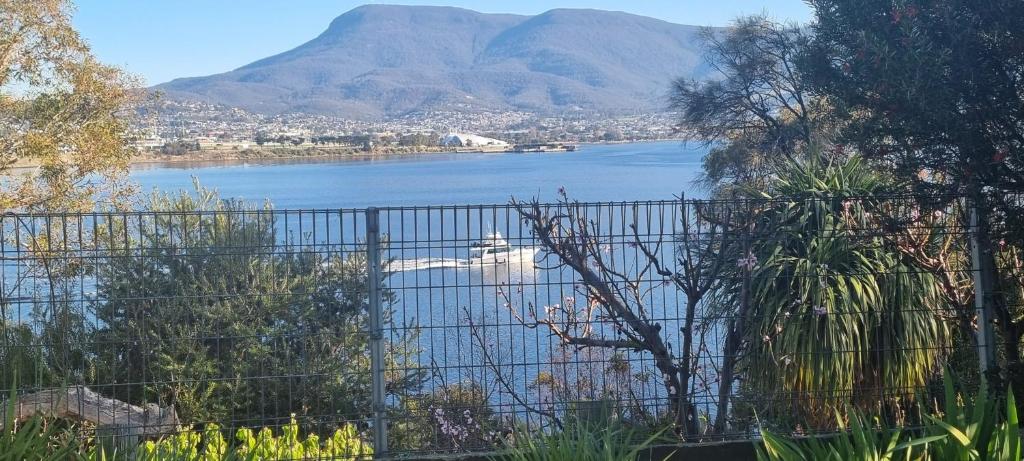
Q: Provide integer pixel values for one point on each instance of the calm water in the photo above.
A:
(639, 171)
(441, 303)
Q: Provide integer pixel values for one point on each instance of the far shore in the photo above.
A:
(283, 153)
(319, 153)
(308, 153)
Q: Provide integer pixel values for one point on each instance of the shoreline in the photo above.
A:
(328, 153)
(273, 155)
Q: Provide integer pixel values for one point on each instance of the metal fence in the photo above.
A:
(454, 329)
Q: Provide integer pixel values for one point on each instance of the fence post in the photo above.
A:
(982, 300)
(376, 325)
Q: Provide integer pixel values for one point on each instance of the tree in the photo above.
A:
(222, 319)
(613, 134)
(179, 147)
(830, 314)
(934, 91)
(418, 139)
(61, 111)
(617, 297)
(757, 110)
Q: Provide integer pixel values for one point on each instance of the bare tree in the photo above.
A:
(620, 298)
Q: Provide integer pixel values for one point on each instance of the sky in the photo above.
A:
(160, 40)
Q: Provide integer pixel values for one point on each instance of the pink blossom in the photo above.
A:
(748, 263)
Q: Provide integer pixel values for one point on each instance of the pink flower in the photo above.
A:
(748, 263)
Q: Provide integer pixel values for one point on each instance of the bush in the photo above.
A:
(580, 442)
(968, 429)
(210, 445)
(34, 439)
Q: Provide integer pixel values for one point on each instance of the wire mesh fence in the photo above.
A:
(454, 329)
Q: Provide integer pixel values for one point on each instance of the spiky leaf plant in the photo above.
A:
(835, 315)
(578, 441)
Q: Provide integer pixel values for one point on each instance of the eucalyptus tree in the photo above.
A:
(755, 110)
(62, 112)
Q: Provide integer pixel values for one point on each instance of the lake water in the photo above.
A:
(615, 172)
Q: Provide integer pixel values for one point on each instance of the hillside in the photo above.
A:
(384, 60)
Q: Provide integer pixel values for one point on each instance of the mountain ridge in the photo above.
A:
(379, 61)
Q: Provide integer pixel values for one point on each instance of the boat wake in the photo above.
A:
(405, 265)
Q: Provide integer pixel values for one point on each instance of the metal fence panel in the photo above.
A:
(451, 329)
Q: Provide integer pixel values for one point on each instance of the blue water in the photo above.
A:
(441, 303)
(618, 172)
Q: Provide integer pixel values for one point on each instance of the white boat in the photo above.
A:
(494, 249)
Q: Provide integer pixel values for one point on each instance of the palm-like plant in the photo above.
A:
(834, 315)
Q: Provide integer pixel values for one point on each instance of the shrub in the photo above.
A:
(580, 442)
(210, 445)
(968, 429)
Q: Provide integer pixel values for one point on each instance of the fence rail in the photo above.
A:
(452, 329)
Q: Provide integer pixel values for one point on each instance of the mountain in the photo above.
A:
(388, 60)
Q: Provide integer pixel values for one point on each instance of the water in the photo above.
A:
(442, 302)
(638, 171)
(447, 305)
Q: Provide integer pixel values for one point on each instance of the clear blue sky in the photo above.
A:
(164, 39)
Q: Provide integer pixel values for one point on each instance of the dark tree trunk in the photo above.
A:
(686, 406)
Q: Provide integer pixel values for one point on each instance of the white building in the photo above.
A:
(471, 140)
(150, 143)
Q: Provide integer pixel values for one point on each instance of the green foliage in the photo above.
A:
(214, 313)
(928, 85)
(206, 306)
(18, 354)
(933, 91)
(451, 417)
(975, 430)
(39, 440)
(210, 445)
(63, 112)
(758, 112)
(581, 442)
(418, 139)
(967, 430)
(837, 315)
(861, 441)
(35, 440)
(32, 439)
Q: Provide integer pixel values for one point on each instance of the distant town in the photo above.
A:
(168, 129)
